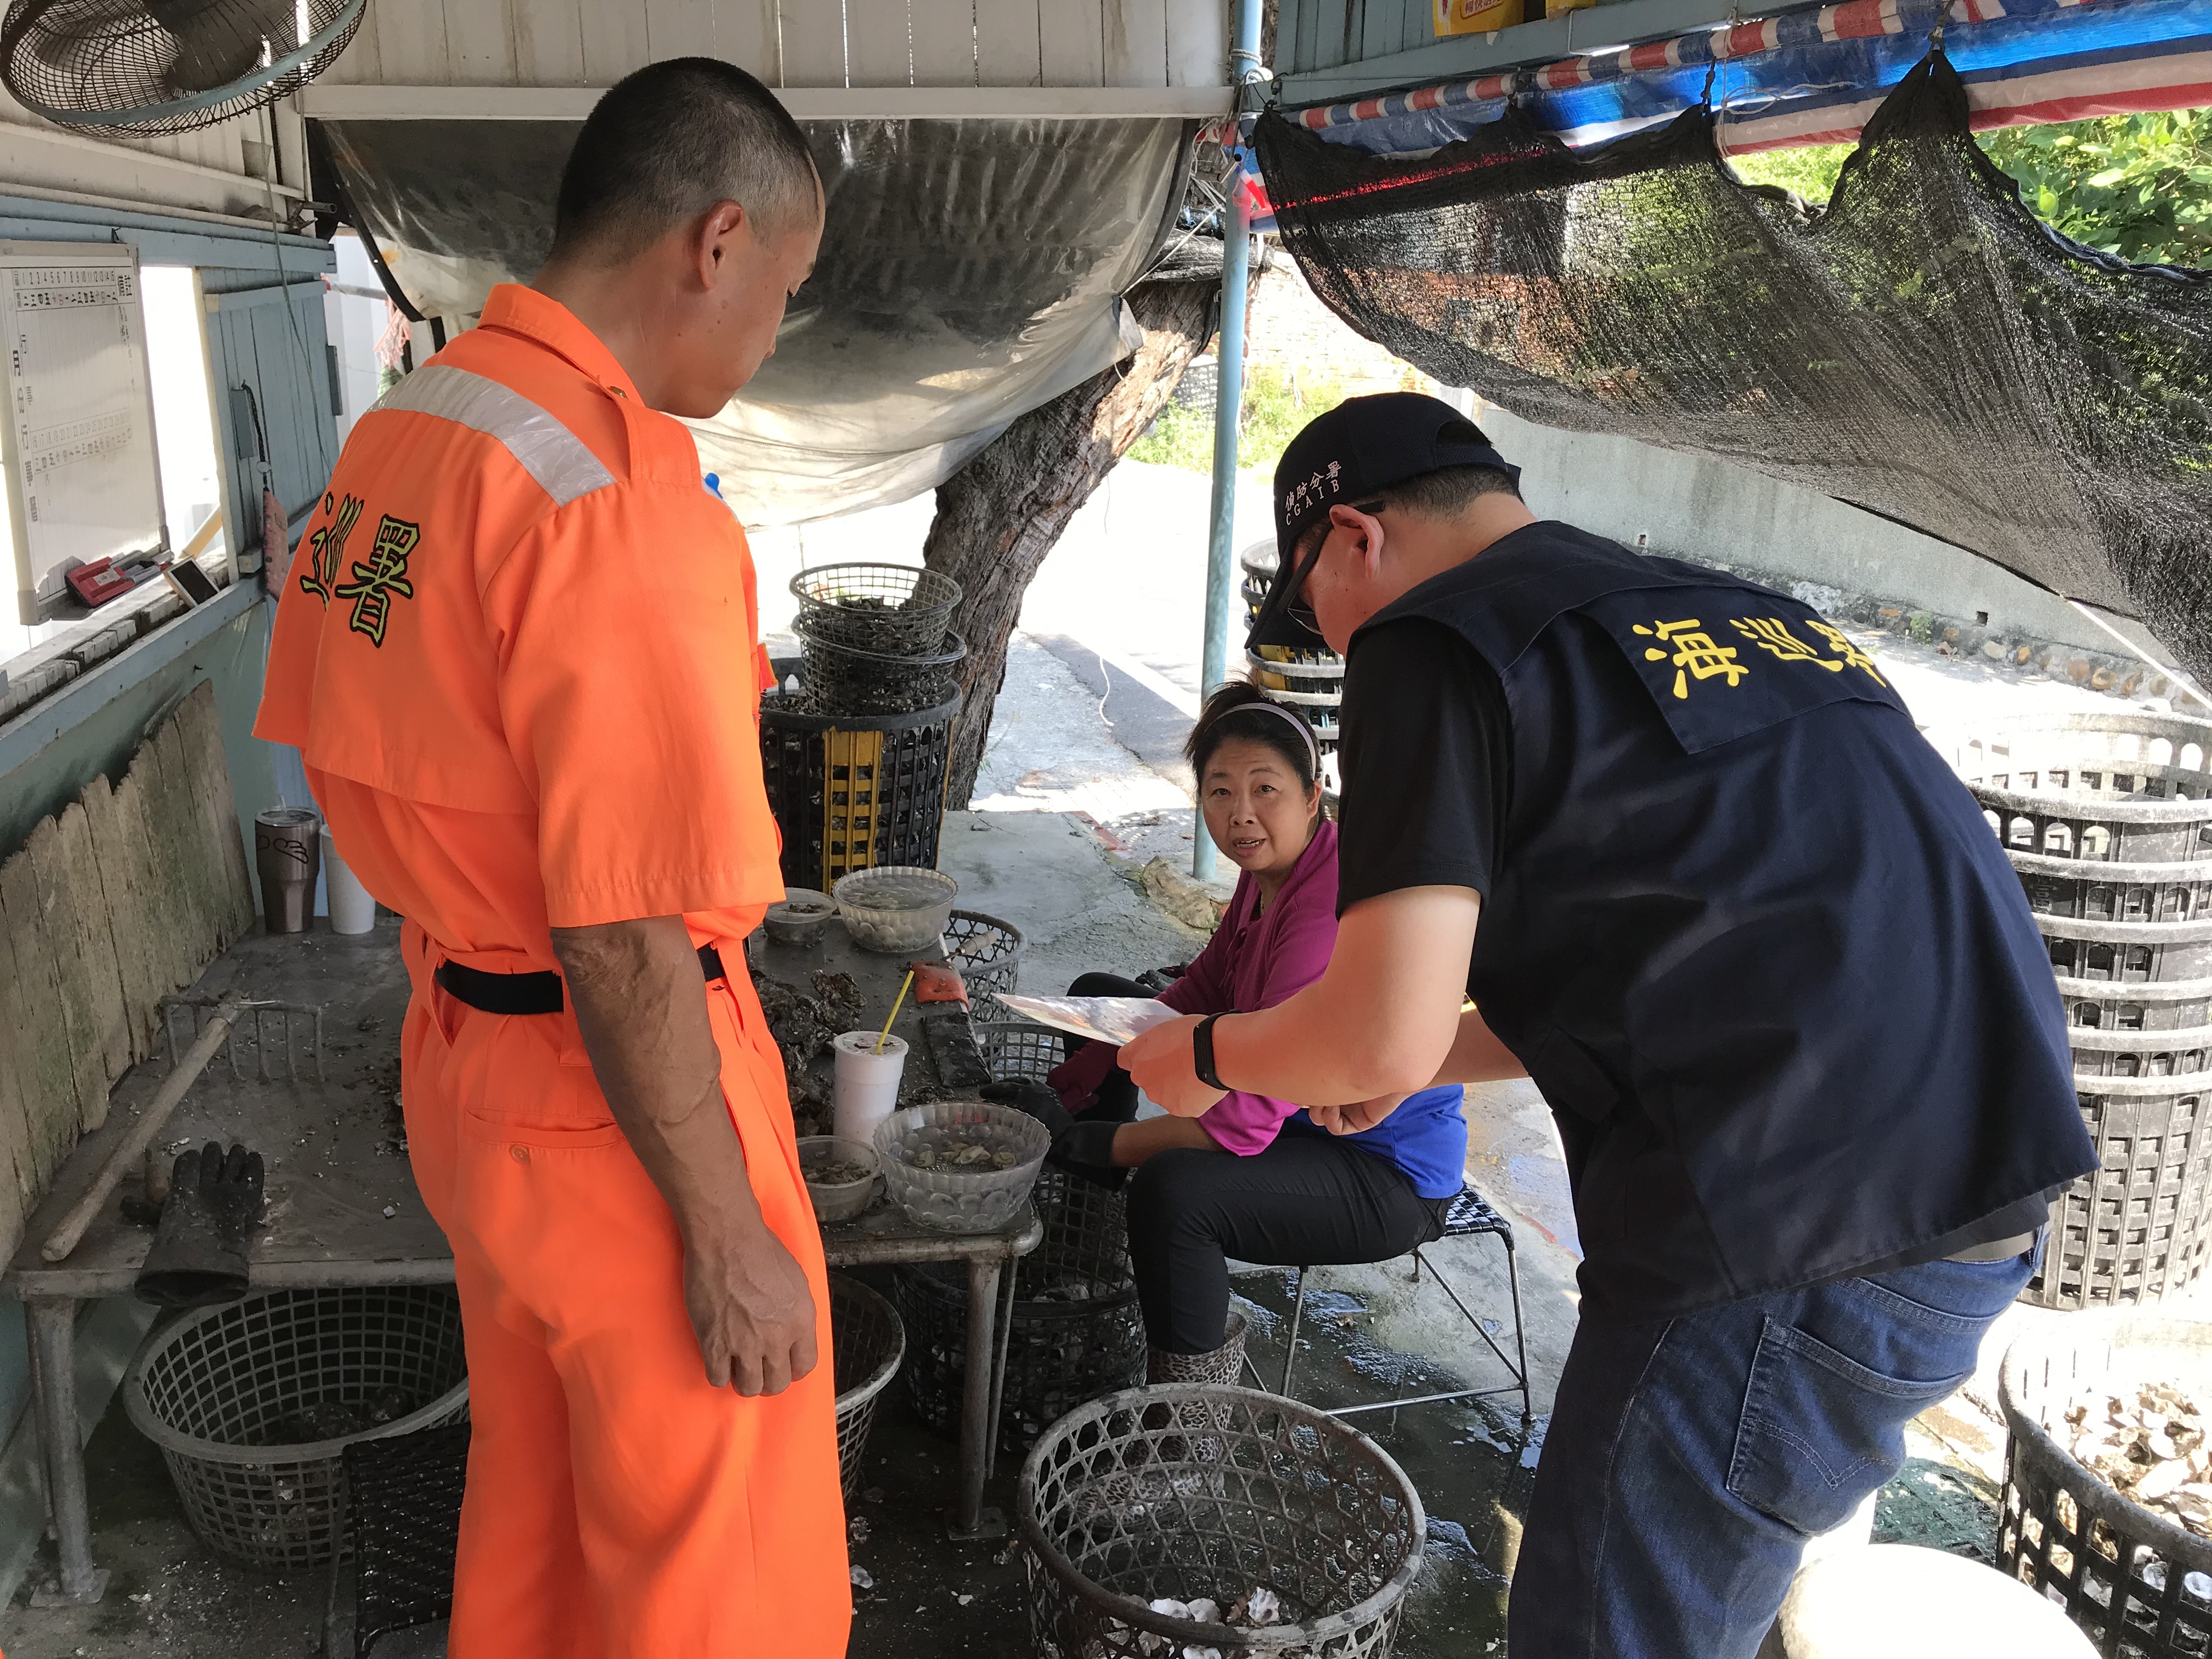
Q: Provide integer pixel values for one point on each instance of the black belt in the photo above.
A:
(530, 994)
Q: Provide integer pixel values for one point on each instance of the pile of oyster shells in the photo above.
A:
(2151, 1445)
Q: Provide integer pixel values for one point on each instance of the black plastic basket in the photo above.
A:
(1060, 1353)
(2134, 1581)
(895, 608)
(1186, 1491)
(2138, 1229)
(407, 1526)
(842, 680)
(853, 792)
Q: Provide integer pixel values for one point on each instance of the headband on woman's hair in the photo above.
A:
(1313, 746)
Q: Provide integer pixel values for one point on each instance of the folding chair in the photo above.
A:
(1470, 1213)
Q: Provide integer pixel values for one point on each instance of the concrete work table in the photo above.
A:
(342, 1207)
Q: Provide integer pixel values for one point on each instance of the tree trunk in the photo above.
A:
(1001, 514)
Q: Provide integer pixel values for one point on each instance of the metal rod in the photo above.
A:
(1420, 1399)
(1002, 1348)
(1228, 404)
(53, 1337)
(1473, 1318)
(129, 1152)
(1290, 1348)
(2141, 655)
(1520, 1331)
(975, 1393)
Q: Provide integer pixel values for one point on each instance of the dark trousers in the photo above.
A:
(1307, 1199)
(1689, 1459)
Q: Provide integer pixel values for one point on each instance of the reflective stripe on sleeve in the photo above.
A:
(562, 464)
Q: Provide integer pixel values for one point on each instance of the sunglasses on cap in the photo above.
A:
(1295, 604)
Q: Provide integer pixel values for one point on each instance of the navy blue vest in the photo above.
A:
(1752, 940)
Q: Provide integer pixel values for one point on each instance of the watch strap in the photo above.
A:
(1201, 1053)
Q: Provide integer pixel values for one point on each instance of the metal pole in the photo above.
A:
(1228, 402)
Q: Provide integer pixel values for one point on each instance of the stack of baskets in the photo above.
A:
(2108, 819)
(876, 639)
(1075, 1332)
(856, 761)
(1310, 684)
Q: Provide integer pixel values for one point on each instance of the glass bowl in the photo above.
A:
(895, 907)
(950, 1198)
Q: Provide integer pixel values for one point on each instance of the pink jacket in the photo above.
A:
(1252, 961)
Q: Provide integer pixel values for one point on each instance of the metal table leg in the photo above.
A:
(1005, 1342)
(970, 1520)
(54, 1342)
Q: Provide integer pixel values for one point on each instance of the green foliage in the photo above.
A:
(1276, 403)
(2139, 187)
(1810, 172)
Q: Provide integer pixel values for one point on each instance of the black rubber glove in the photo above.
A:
(1085, 1148)
(1081, 1146)
(198, 1257)
(1040, 1100)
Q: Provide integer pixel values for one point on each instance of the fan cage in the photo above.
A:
(113, 68)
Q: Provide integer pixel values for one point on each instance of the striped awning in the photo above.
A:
(1814, 76)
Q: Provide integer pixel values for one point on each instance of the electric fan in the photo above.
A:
(140, 66)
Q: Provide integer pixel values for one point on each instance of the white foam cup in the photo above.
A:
(352, 909)
(864, 1084)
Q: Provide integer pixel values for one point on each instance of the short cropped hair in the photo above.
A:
(1448, 491)
(666, 144)
(1443, 494)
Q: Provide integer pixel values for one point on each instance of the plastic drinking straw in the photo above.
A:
(896, 1005)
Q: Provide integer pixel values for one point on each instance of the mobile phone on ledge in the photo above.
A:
(190, 581)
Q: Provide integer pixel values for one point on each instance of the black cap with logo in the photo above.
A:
(1343, 459)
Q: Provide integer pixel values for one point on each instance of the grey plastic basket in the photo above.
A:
(1014, 1048)
(987, 951)
(1186, 1491)
(869, 1342)
(211, 1388)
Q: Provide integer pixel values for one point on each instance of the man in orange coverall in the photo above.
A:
(519, 651)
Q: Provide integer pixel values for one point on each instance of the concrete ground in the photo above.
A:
(1079, 789)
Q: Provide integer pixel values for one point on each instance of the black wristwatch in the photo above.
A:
(1201, 1053)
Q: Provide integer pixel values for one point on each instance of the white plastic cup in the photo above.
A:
(864, 1084)
(352, 909)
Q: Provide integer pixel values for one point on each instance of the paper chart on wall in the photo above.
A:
(1104, 1019)
(84, 475)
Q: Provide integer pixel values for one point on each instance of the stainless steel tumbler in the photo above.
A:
(288, 852)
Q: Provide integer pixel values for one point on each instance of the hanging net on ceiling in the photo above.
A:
(1923, 347)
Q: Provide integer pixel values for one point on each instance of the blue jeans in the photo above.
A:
(1689, 1459)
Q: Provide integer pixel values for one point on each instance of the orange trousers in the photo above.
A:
(618, 1506)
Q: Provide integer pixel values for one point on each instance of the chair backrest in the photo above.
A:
(115, 902)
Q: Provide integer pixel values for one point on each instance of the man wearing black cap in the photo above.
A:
(1759, 951)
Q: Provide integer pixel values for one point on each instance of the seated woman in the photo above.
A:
(1254, 1177)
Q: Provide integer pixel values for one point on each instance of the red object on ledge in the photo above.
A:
(99, 581)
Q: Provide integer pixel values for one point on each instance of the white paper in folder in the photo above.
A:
(1104, 1019)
